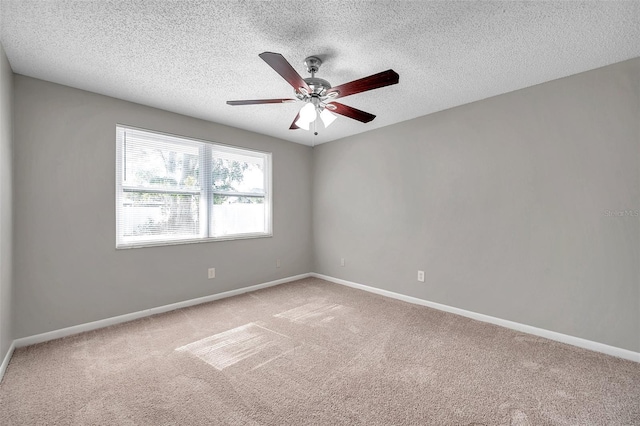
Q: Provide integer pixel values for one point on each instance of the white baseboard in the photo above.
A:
(64, 332)
(552, 335)
(7, 358)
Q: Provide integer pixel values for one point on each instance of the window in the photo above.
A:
(172, 190)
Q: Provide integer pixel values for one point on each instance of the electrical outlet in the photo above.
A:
(277, 263)
(342, 261)
(421, 276)
(212, 273)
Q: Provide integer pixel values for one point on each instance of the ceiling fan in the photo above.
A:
(317, 94)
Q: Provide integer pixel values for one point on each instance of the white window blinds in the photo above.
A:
(171, 189)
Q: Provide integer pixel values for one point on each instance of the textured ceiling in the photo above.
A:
(191, 56)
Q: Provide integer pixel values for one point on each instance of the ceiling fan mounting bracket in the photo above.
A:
(313, 64)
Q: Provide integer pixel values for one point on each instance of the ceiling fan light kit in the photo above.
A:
(317, 94)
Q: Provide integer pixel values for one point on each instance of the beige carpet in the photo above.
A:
(312, 352)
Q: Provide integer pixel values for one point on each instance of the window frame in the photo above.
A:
(206, 150)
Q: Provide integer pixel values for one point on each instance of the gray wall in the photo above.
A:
(6, 189)
(502, 202)
(67, 270)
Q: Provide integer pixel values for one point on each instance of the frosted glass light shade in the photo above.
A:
(308, 113)
(303, 124)
(327, 117)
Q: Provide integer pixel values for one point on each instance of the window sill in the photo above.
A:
(190, 241)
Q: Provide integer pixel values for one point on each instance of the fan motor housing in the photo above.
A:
(317, 85)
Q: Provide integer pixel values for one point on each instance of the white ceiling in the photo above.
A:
(191, 56)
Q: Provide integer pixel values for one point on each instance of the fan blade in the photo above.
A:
(261, 101)
(376, 81)
(293, 124)
(284, 68)
(351, 112)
